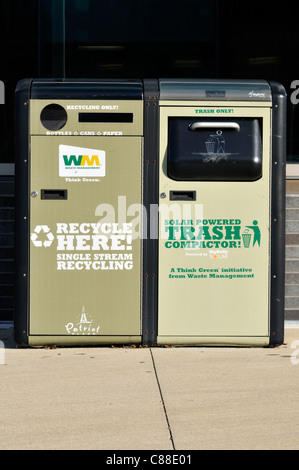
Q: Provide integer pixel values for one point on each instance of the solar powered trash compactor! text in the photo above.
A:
(221, 215)
(78, 148)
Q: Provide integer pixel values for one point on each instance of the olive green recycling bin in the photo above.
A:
(221, 212)
(78, 164)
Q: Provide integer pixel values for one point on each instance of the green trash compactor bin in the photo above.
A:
(221, 212)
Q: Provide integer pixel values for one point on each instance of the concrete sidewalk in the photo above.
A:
(150, 398)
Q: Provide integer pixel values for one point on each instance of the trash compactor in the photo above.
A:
(221, 212)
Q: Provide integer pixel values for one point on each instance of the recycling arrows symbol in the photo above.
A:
(42, 229)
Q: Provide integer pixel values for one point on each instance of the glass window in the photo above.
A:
(140, 38)
(19, 59)
(144, 39)
(259, 40)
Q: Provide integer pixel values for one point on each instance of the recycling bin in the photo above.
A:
(221, 212)
(78, 251)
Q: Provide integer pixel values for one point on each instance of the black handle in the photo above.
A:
(54, 194)
(182, 195)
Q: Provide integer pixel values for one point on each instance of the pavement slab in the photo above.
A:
(80, 398)
(232, 398)
(140, 398)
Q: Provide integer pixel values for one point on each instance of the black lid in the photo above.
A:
(87, 89)
(212, 90)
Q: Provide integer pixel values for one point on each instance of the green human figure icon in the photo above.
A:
(256, 232)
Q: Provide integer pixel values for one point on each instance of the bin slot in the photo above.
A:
(54, 194)
(182, 195)
(234, 126)
(105, 117)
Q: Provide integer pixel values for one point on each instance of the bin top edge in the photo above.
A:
(91, 89)
(213, 89)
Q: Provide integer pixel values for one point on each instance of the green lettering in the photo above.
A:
(232, 232)
(171, 230)
(72, 160)
(187, 233)
(218, 233)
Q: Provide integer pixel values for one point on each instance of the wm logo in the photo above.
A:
(81, 160)
(78, 161)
